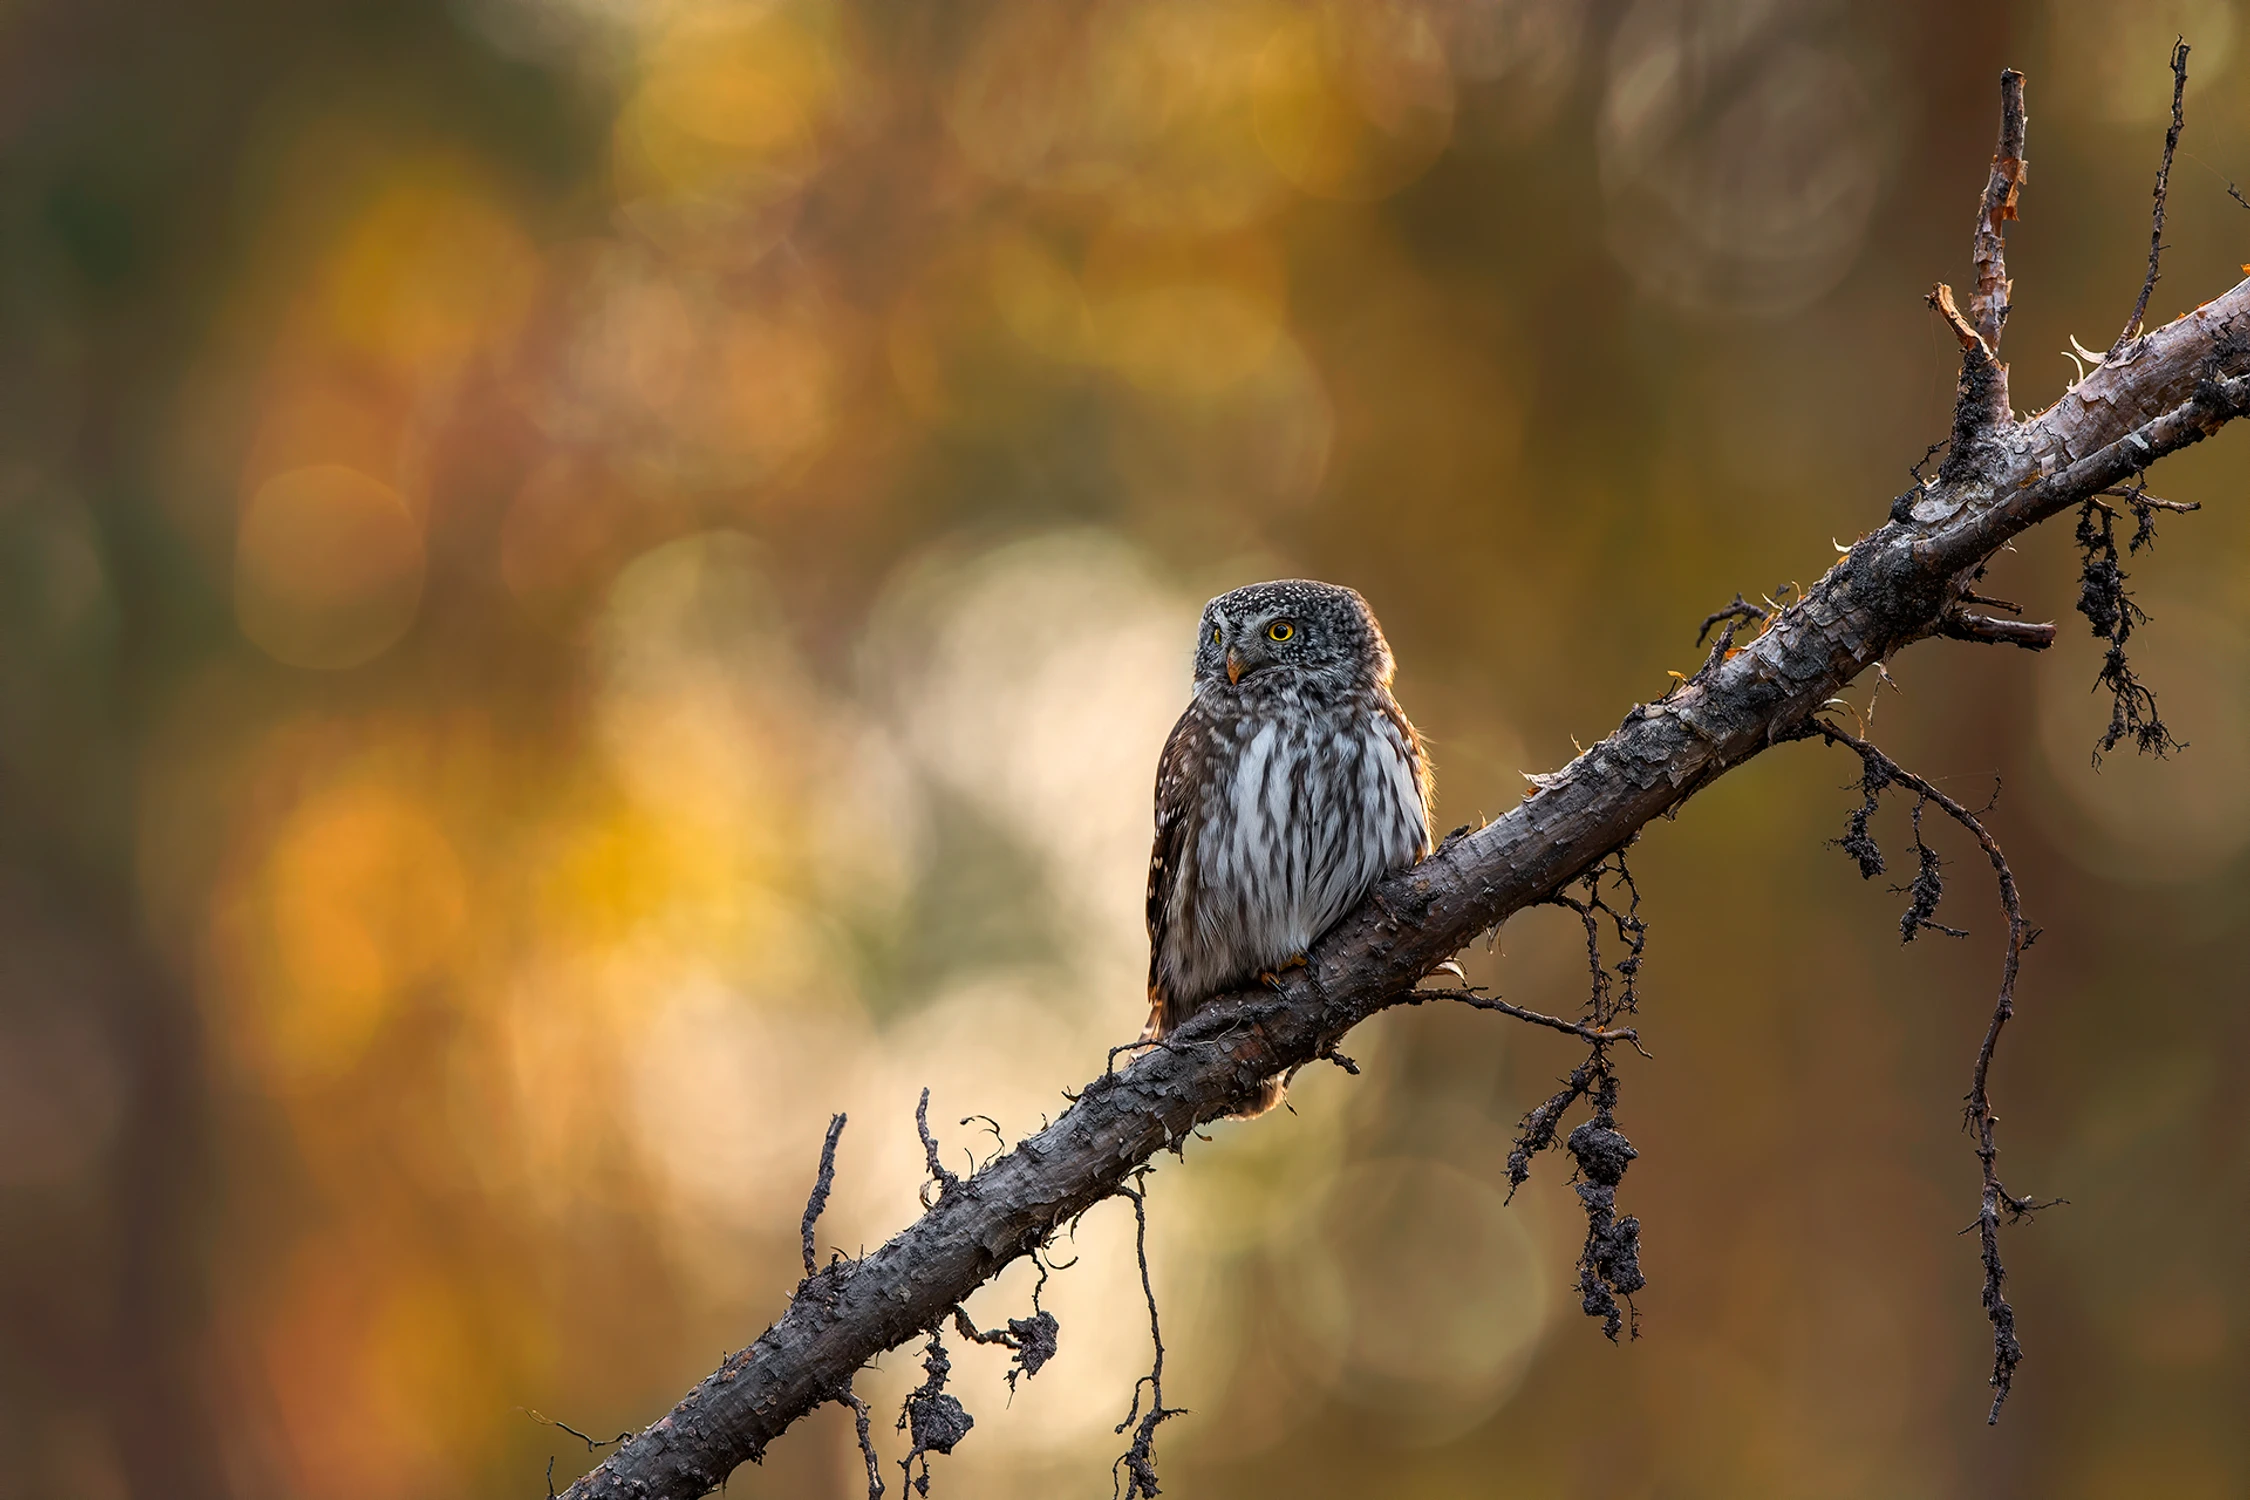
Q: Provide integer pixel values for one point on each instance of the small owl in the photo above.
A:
(1292, 784)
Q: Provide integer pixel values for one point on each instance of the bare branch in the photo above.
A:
(1981, 406)
(593, 1444)
(1971, 596)
(1980, 399)
(2210, 405)
(1881, 770)
(945, 1180)
(2163, 183)
(1941, 299)
(2141, 501)
(821, 1185)
(1555, 1023)
(1990, 302)
(1892, 588)
(861, 1421)
(1740, 609)
(1139, 1461)
(1966, 625)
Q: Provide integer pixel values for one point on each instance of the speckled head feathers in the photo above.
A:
(1292, 627)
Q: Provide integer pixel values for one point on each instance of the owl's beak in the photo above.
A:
(1234, 665)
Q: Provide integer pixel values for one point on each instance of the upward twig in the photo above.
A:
(1981, 406)
(2163, 182)
(1989, 303)
(822, 1182)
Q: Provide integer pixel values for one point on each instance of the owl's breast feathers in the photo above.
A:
(1277, 810)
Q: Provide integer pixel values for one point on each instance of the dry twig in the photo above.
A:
(2163, 185)
(946, 1181)
(861, 1422)
(1881, 771)
(1740, 609)
(1139, 1461)
(822, 1182)
(1966, 625)
(2003, 187)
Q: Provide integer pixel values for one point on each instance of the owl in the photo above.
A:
(1292, 784)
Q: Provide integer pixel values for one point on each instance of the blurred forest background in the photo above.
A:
(583, 583)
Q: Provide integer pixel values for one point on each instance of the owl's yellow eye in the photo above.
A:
(1280, 630)
(1214, 635)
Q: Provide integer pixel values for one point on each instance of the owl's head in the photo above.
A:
(1292, 626)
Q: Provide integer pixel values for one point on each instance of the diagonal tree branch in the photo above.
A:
(1897, 585)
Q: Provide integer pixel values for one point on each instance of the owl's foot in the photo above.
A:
(1270, 1093)
(1271, 978)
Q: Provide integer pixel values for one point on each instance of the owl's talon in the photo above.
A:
(1271, 978)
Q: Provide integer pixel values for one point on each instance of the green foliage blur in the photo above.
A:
(585, 583)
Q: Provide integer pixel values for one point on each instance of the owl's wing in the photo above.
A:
(1168, 861)
(1417, 761)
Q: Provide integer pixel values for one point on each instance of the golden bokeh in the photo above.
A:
(730, 101)
(361, 900)
(328, 567)
(1354, 101)
(425, 274)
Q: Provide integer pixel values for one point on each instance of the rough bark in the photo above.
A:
(1901, 583)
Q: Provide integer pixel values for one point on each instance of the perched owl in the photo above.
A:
(1292, 784)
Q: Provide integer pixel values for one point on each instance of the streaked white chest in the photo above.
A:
(1314, 809)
